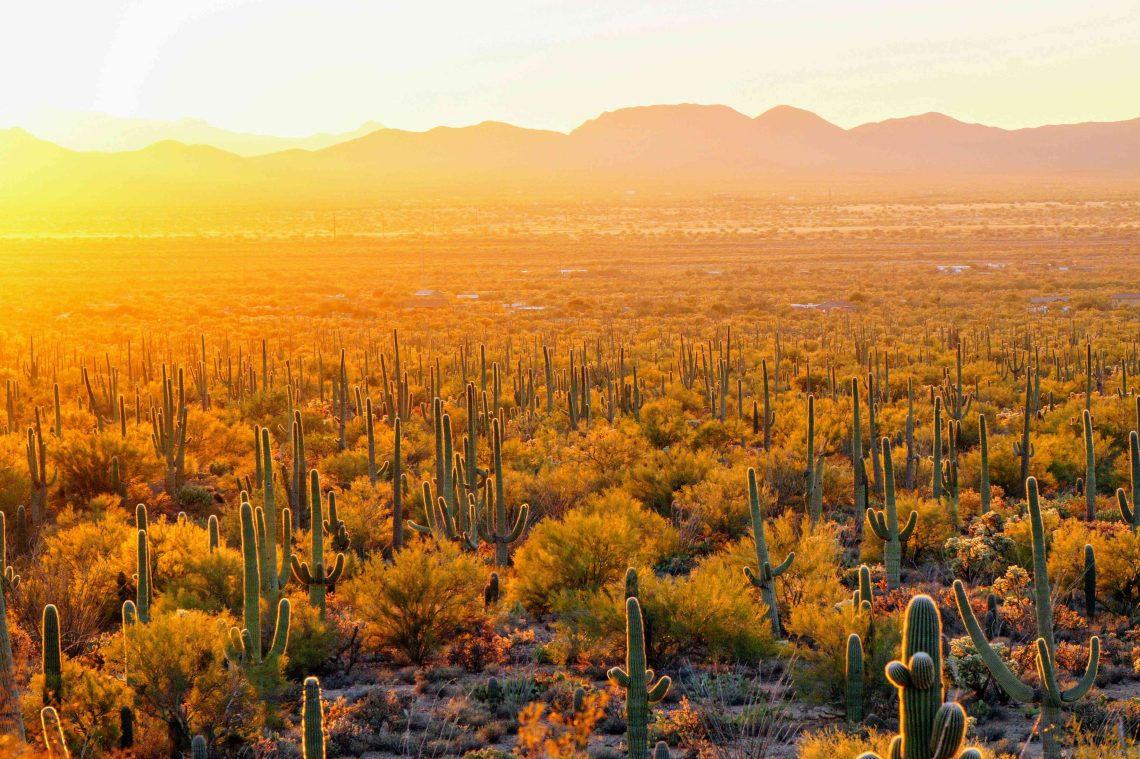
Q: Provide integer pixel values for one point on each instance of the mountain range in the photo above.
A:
(677, 151)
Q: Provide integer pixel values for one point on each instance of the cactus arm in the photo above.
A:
(338, 570)
(1016, 689)
(618, 676)
(908, 530)
(878, 524)
(1088, 678)
(301, 571)
(1125, 511)
(520, 523)
(280, 631)
(783, 566)
(659, 689)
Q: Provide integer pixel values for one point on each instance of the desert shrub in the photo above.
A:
(1019, 530)
(414, 605)
(663, 473)
(84, 462)
(88, 708)
(77, 570)
(813, 576)
(820, 634)
(588, 549)
(982, 554)
(663, 422)
(716, 508)
(312, 640)
(367, 513)
(965, 669)
(832, 744)
(175, 666)
(345, 466)
(706, 615)
(187, 573)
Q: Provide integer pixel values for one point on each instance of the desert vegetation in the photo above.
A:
(723, 479)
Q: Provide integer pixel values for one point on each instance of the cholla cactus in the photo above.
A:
(638, 683)
(1048, 694)
(765, 575)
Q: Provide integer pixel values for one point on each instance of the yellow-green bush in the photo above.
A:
(414, 605)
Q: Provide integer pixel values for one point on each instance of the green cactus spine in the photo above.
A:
(1048, 696)
(984, 489)
(855, 673)
(315, 575)
(499, 534)
(885, 523)
(312, 721)
(1090, 467)
(765, 575)
(637, 680)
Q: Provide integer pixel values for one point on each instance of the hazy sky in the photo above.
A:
(290, 67)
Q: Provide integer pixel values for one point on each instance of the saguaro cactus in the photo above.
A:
(854, 679)
(312, 721)
(928, 727)
(813, 475)
(498, 533)
(1048, 695)
(198, 747)
(1131, 514)
(858, 469)
(1090, 467)
(52, 657)
(765, 575)
(638, 683)
(142, 584)
(885, 523)
(169, 431)
(11, 717)
(316, 576)
(37, 470)
(1090, 582)
(984, 490)
(53, 734)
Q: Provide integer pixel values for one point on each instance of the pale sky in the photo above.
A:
(290, 67)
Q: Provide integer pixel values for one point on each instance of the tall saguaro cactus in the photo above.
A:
(11, 717)
(854, 682)
(813, 475)
(1090, 467)
(1130, 513)
(169, 430)
(984, 490)
(245, 644)
(315, 574)
(765, 575)
(498, 533)
(1048, 695)
(929, 728)
(637, 680)
(37, 470)
(885, 523)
